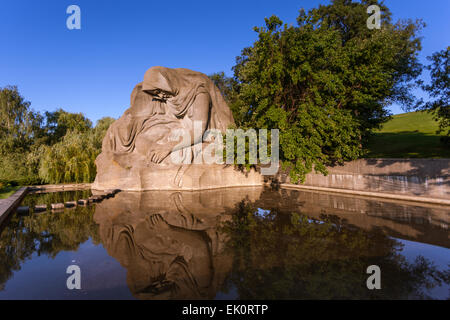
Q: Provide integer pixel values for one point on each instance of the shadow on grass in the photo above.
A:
(407, 144)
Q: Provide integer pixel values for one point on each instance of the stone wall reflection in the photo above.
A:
(406, 220)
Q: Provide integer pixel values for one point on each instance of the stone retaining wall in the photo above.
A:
(411, 177)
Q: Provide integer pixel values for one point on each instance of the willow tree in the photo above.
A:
(72, 159)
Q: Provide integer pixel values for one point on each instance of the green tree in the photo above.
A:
(19, 124)
(326, 82)
(60, 122)
(72, 159)
(439, 91)
(20, 130)
(69, 160)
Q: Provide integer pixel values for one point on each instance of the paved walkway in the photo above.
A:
(60, 187)
(8, 205)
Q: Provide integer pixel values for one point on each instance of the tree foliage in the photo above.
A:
(21, 129)
(60, 122)
(439, 90)
(52, 148)
(72, 159)
(19, 124)
(326, 82)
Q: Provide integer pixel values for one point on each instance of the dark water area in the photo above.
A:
(238, 243)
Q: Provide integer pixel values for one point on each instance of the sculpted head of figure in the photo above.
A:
(160, 83)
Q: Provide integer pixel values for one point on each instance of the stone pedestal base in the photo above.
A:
(141, 177)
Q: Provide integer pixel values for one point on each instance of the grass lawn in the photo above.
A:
(7, 191)
(408, 135)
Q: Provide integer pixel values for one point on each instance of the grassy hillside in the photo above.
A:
(408, 135)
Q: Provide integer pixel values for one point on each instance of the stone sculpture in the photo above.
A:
(137, 147)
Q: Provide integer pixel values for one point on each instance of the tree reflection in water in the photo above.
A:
(44, 234)
(290, 256)
(258, 245)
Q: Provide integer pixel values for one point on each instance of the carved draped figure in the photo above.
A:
(158, 118)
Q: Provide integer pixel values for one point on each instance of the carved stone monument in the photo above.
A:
(171, 112)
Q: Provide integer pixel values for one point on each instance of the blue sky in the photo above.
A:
(93, 70)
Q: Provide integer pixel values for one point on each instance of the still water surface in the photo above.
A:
(240, 243)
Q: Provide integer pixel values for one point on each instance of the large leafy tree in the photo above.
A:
(326, 82)
(60, 122)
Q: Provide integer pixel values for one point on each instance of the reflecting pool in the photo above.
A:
(237, 243)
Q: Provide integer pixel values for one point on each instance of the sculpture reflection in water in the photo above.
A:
(190, 245)
(169, 241)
